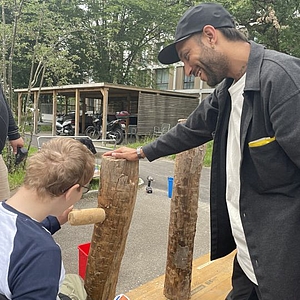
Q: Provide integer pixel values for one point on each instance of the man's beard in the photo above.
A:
(215, 66)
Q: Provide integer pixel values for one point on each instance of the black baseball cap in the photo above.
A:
(193, 20)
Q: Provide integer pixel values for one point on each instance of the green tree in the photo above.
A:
(123, 35)
(43, 55)
(11, 12)
(274, 23)
(57, 42)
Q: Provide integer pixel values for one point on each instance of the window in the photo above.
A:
(188, 82)
(162, 79)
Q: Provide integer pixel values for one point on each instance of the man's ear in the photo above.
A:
(209, 34)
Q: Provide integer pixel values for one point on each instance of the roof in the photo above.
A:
(92, 90)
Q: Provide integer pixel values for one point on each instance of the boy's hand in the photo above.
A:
(63, 218)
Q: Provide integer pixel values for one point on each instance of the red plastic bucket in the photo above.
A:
(83, 253)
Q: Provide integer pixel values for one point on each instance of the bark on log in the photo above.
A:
(117, 196)
(182, 227)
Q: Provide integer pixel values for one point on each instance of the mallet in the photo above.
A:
(86, 216)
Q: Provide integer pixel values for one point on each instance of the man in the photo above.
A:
(8, 129)
(30, 260)
(253, 118)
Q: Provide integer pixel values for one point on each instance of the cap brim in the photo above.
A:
(169, 55)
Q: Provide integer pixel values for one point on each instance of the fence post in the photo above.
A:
(117, 195)
(182, 227)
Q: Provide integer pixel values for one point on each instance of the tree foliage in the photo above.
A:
(53, 42)
(274, 23)
(123, 34)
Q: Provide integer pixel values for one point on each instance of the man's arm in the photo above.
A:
(197, 130)
(12, 129)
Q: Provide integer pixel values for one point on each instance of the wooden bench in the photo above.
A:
(211, 280)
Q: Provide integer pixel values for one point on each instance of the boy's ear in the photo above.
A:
(71, 190)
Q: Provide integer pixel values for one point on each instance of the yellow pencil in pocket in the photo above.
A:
(261, 142)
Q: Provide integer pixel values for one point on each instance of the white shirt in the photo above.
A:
(233, 163)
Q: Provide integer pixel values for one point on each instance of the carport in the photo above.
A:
(150, 107)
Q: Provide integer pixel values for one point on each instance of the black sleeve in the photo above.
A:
(51, 223)
(12, 128)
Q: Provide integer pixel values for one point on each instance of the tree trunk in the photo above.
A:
(17, 14)
(4, 49)
(117, 196)
(182, 228)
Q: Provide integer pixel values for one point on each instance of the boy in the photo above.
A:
(56, 177)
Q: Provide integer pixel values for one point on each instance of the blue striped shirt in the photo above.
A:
(30, 260)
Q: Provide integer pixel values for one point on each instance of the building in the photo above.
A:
(172, 78)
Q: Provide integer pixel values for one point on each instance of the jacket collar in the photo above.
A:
(254, 67)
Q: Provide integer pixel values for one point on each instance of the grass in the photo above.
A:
(141, 142)
(208, 154)
(16, 178)
(44, 128)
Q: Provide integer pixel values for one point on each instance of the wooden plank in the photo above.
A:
(211, 280)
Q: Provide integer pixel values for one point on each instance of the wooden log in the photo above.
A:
(182, 228)
(86, 216)
(117, 195)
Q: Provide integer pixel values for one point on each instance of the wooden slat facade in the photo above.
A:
(155, 109)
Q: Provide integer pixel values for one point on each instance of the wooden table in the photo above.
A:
(211, 280)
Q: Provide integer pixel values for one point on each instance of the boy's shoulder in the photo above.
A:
(24, 237)
(19, 225)
(29, 248)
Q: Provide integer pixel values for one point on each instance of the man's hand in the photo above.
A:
(63, 218)
(17, 143)
(124, 152)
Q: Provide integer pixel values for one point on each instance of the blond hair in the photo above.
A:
(58, 165)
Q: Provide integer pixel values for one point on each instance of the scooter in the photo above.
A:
(113, 130)
(64, 126)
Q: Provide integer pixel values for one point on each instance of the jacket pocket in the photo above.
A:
(273, 166)
(261, 142)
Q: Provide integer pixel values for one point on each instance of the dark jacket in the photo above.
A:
(270, 174)
(8, 127)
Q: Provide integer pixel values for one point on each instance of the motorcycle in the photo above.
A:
(64, 126)
(113, 130)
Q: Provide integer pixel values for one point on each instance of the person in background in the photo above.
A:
(253, 119)
(30, 260)
(8, 129)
